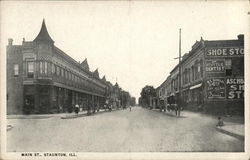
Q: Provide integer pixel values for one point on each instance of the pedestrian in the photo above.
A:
(220, 122)
(130, 108)
(76, 108)
(176, 109)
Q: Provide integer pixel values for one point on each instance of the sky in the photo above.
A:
(131, 42)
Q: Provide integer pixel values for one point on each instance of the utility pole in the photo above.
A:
(180, 92)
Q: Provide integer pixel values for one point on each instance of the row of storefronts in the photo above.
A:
(41, 78)
(212, 78)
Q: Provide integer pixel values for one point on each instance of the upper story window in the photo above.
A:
(16, 70)
(188, 75)
(52, 68)
(57, 70)
(198, 70)
(30, 69)
(62, 72)
(45, 67)
(41, 67)
(228, 67)
(201, 68)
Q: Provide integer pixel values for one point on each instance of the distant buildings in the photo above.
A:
(41, 78)
(212, 78)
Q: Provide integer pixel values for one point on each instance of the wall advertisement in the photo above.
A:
(223, 51)
(235, 88)
(216, 88)
(215, 66)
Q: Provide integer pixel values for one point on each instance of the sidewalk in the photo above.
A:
(81, 114)
(74, 115)
(36, 116)
(233, 126)
(62, 115)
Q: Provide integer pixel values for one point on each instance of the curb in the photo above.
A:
(29, 117)
(240, 137)
(74, 116)
(85, 114)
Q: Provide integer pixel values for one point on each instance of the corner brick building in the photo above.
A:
(212, 78)
(41, 78)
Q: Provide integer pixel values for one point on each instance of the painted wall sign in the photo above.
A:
(235, 88)
(216, 88)
(215, 66)
(219, 52)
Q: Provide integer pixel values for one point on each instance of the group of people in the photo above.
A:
(109, 107)
(174, 107)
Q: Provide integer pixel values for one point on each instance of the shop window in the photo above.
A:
(30, 68)
(16, 70)
(228, 67)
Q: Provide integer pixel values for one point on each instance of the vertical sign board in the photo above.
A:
(216, 88)
(235, 88)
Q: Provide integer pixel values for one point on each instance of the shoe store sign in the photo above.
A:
(235, 88)
(229, 51)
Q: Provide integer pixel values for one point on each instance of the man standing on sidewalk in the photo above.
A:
(76, 108)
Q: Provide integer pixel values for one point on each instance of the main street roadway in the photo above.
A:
(139, 130)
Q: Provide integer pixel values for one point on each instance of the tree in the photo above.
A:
(146, 93)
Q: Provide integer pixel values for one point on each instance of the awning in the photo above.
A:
(196, 86)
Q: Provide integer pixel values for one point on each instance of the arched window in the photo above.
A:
(201, 68)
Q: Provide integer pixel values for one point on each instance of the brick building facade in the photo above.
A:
(41, 78)
(212, 77)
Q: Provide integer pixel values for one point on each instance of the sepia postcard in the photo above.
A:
(124, 80)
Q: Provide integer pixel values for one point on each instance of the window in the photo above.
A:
(228, 67)
(53, 68)
(16, 70)
(201, 66)
(192, 73)
(62, 73)
(41, 67)
(199, 70)
(57, 70)
(30, 68)
(45, 67)
(189, 75)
